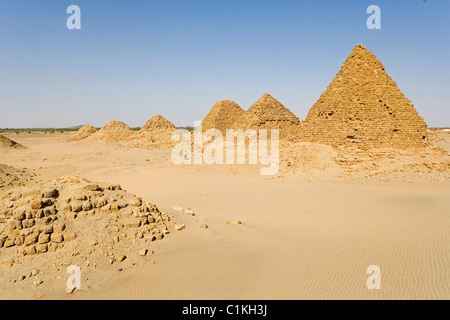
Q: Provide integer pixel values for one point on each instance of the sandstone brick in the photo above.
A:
(36, 204)
(57, 237)
(31, 239)
(364, 108)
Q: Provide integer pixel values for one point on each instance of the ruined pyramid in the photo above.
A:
(7, 143)
(269, 113)
(222, 116)
(364, 108)
(114, 131)
(157, 132)
(82, 133)
(157, 124)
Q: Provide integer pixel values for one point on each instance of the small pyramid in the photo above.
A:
(10, 144)
(156, 132)
(269, 113)
(114, 131)
(82, 133)
(222, 116)
(364, 108)
(158, 123)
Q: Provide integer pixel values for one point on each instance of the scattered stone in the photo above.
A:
(177, 208)
(37, 282)
(70, 290)
(179, 227)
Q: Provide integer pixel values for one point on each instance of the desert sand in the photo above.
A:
(298, 239)
(361, 182)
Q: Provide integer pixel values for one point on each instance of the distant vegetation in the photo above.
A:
(59, 130)
(190, 129)
(36, 130)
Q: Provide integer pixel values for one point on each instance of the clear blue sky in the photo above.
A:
(134, 59)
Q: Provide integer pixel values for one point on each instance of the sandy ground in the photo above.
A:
(297, 240)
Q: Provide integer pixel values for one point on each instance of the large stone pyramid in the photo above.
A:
(222, 116)
(363, 107)
(269, 113)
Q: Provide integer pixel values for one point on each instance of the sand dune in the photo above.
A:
(297, 240)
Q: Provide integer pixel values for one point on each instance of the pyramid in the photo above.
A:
(115, 131)
(9, 144)
(222, 116)
(364, 108)
(269, 113)
(157, 132)
(82, 133)
(158, 123)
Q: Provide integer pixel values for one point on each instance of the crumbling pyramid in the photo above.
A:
(364, 108)
(82, 133)
(46, 218)
(269, 113)
(158, 124)
(9, 144)
(222, 116)
(156, 131)
(115, 131)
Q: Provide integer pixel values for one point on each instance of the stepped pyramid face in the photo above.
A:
(222, 116)
(269, 113)
(363, 107)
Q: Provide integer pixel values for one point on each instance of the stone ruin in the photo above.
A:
(114, 131)
(82, 133)
(7, 143)
(364, 108)
(43, 219)
(156, 132)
